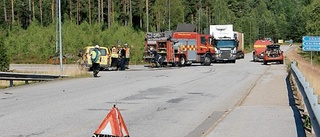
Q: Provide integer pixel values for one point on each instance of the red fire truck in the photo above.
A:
(181, 48)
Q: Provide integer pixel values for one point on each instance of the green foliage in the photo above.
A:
(4, 58)
(37, 44)
(34, 40)
(313, 16)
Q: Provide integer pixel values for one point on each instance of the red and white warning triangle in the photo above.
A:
(112, 125)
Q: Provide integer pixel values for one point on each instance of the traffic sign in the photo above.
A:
(311, 43)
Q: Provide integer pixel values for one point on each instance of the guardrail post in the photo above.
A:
(26, 82)
(11, 83)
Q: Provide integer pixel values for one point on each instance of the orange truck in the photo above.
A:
(259, 49)
(182, 47)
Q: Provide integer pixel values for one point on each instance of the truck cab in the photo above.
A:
(225, 50)
(225, 43)
(193, 47)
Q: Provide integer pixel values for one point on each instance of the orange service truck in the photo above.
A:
(182, 47)
(259, 49)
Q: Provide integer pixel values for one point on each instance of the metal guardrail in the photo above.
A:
(312, 101)
(28, 77)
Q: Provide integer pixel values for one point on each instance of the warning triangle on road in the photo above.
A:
(113, 125)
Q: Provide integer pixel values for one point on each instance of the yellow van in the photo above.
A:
(85, 61)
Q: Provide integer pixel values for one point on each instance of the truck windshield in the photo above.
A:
(225, 43)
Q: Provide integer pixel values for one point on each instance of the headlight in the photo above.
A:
(234, 50)
(216, 51)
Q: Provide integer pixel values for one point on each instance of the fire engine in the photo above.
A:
(180, 48)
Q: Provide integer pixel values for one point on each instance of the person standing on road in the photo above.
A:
(127, 55)
(114, 57)
(95, 59)
(122, 56)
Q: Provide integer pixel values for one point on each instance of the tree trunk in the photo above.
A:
(207, 12)
(112, 11)
(109, 14)
(52, 10)
(140, 16)
(140, 13)
(78, 10)
(29, 13)
(102, 18)
(130, 11)
(40, 6)
(12, 12)
(5, 11)
(98, 11)
(33, 12)
(125, 11)
(70, 10)
(89, 9)
(147, 14)
(158, 21)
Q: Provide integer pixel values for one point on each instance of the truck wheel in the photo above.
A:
(182, 61)
(264, 62)
(281, 62)
(207, 61)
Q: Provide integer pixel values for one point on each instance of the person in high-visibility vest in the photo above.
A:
(114, 57)
(127, 55)
(95, 59)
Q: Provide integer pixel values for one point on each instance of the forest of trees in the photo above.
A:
(29, 26)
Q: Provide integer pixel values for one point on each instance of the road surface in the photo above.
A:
(156, 102)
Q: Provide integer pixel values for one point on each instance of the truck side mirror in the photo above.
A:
(80, 54)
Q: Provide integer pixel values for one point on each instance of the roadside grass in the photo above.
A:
(310, 71)
(70, 72)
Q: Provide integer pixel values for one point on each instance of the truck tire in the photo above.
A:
(207, 61)
(265, 63)
(182, 61)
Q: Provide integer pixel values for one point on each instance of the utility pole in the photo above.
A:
(60, 39)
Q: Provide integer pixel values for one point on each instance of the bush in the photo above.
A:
(37, 44)
(4, 58)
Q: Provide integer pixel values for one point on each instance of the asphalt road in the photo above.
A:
(160, 102)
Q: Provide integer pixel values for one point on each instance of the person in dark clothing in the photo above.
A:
(155, 54)
(122, 56)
